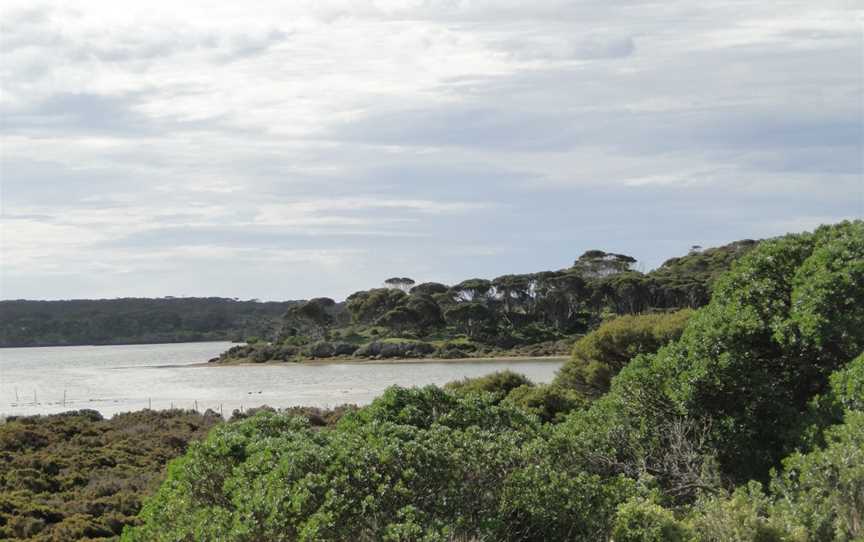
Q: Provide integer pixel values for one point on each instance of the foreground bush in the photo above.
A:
(550, 402)
(499, 383)
(77, 476)
(736, 388)
(418, 464)
(640, 520)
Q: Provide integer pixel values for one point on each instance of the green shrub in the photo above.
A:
(87, 476)
(743, 516)
(499, 383)
(822, 492)
(640, 520)
(847, 385)
(417, 464)
(394, 349)
(549, 402)
(601, 354)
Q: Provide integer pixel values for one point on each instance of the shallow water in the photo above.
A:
(114, 379)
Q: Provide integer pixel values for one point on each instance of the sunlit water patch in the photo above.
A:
(114, 379)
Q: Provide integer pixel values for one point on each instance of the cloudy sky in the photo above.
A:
(282, 150)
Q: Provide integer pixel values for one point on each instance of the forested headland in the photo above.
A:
(136, 320)
(531, 314)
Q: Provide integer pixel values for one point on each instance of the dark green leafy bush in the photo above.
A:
(549, 402)
(640, 520)
(499, 383)
(420, 464)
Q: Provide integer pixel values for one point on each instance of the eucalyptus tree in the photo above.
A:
(312, 318)
(368, 305)
(476, 290)
(599, 264)
(401, 283)
(429, 288)
(469, 317)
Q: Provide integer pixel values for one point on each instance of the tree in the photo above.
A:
(778, 325)
(369, 305)
(399, 319)
(428, 312)
(470, 317)
(472, 290)
(312, 318)
(429, 288)
(513, 293)
(629, 292)
(599, 264)
(402, 283)
(747, 365)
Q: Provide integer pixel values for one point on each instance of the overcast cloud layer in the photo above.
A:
(283, 150)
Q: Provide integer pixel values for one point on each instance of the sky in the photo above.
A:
(286, 150)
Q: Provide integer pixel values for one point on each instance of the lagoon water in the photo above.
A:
(114, 379)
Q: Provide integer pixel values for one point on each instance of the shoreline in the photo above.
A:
(390, 361)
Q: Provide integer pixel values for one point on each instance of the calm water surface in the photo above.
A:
(114, 379)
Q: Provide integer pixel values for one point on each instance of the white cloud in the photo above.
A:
(325, 131)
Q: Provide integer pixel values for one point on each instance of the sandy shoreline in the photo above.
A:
(392, 361)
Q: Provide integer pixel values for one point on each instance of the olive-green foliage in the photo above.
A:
(728, 400)
(260, 353)
(822, 492)
(816, 496)
(310, 318)
(601, 354)
(747, 365)
(752, 359)
(744, 516)
(367, 306)
(687, 281)
(499, 383)
(847, 385)
(76, 476)
(418, 464)
(640, 520)
(549, 402)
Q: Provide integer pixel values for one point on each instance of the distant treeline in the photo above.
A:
(502, 313)
(531, 314)
(135, 320)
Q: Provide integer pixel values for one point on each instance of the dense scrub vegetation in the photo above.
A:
(748, 427)
(77, 476)
(134, 320)
(532, 314)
